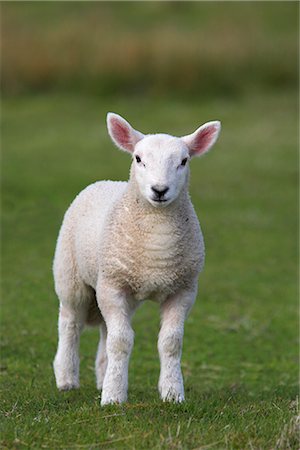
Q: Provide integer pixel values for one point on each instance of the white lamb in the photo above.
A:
(122, 243)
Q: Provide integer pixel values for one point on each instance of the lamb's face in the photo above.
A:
(160, 160)
(161, 168)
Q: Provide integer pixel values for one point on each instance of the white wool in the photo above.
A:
(125, 242)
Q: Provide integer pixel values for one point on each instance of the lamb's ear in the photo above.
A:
(203, 138)
(122, 133)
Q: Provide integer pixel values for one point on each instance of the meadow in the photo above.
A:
(239, 359)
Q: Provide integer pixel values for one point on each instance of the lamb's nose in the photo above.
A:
(159, 190)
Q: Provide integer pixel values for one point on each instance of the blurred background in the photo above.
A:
(166, 67)
(152, 48)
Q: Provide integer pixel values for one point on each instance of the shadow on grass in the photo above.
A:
(198, 402)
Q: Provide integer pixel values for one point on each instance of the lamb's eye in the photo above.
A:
(184, 161)
(138, 159)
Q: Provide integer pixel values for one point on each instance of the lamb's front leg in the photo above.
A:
(173, 314)
(117, 314)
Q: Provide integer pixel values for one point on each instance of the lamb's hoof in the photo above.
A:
(172, 395)
(112, 400)
(173, 398)
(68, 387)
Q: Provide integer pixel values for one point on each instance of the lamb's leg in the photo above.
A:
(101, 358)
(66, 362)
(117, 312)
(173, 313)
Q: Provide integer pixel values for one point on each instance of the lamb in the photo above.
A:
(122, 243)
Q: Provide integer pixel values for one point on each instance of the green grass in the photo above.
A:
(240, 348)
(166, 66)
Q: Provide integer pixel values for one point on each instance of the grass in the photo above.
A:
(240, 347)
(166, 66)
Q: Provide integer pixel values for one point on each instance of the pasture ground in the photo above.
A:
(240, 347)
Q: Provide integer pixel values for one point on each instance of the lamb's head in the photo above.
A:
(160, 161)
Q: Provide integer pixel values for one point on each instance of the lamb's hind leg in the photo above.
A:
(101, 358)
(66, 362)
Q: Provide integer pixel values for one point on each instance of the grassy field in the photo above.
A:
(166, 66)
(240, 348)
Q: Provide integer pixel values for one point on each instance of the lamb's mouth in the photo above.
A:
(160, 200)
